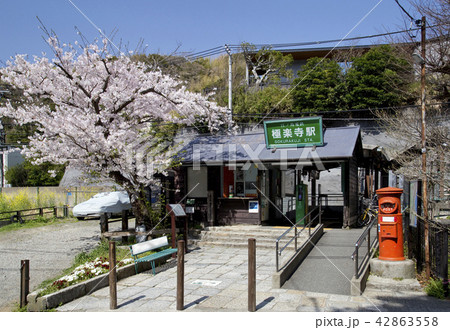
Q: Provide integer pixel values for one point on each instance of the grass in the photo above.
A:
(37, 222)
(17, 308)
(435, 288)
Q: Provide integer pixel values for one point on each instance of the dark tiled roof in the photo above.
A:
(339, 144)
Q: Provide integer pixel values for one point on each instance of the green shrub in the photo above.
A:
(19, 201)
(435, 288)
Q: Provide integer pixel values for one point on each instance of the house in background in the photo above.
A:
(300, 56)
(9, 157)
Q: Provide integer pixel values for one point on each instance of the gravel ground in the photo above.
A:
(50, 249)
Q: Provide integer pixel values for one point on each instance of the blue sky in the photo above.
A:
(193, 25)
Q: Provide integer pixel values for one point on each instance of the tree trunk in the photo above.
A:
(141, 208)
(140, 205)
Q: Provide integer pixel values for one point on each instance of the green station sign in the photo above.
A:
(291, 133)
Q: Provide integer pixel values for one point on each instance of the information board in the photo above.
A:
(177, 210)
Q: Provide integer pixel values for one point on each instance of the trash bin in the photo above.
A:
(140, 233)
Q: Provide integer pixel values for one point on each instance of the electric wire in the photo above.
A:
(403, 9)
(221, 50)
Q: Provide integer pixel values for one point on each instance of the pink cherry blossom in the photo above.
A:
(97, 112)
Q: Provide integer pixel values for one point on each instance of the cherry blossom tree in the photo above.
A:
(104, 114)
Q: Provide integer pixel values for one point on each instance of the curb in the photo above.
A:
(63, 296)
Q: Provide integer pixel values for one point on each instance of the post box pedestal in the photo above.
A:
(400, 269)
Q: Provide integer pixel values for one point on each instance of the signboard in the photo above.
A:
(291, 133)
(288, 183)
(413, 203)
(177, 210)
(253, 207)
(190, 202)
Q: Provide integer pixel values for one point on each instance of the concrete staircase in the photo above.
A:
(237, 236)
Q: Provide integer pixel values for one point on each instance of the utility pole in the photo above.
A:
(2, 154)
(230, 80)
(2, 148)
(424, 152)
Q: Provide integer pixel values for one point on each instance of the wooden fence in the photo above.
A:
(20, 216)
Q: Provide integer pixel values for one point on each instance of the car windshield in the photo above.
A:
(101, 195)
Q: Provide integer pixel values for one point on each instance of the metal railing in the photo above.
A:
(371, 246)
(297, 232)
(334, 199)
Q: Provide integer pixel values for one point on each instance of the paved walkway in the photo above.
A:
(216, 281)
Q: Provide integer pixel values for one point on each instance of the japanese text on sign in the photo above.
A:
(294, 132)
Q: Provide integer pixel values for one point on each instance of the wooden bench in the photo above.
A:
(141, 248)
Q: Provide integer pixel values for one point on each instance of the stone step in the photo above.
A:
(248, 232)
(244, 245)
(246, 228)
(377, 284)
(237, 236)
(256, 235)
(260, 241)
(272, 231)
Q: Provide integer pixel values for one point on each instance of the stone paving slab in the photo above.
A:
(216, 281)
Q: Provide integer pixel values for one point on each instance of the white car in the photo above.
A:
(106, 202)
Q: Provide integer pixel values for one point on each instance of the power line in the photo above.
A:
(335, 40)
(221, 50)
(403, 9)
(343, 111)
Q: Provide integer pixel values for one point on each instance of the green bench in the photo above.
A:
(141, 248)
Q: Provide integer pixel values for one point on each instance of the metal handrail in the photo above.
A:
(370, 246)
(297, 233)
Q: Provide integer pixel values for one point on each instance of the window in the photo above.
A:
(197, 182)
(246, 182)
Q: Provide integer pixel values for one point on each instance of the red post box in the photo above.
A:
(390, 224)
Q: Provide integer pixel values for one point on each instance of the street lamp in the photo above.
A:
(417, 57)
(230, 80)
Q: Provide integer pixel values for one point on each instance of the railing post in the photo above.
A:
(55, 211)
(295, 238)
(24, 282)
(356, 262)
(103, 223)
(19, 217)
(124, 225)
(180, 276)
(320, 211)
(368, 241)
(251, 275)
(41, 212)
(112, 276)
(276, 252)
